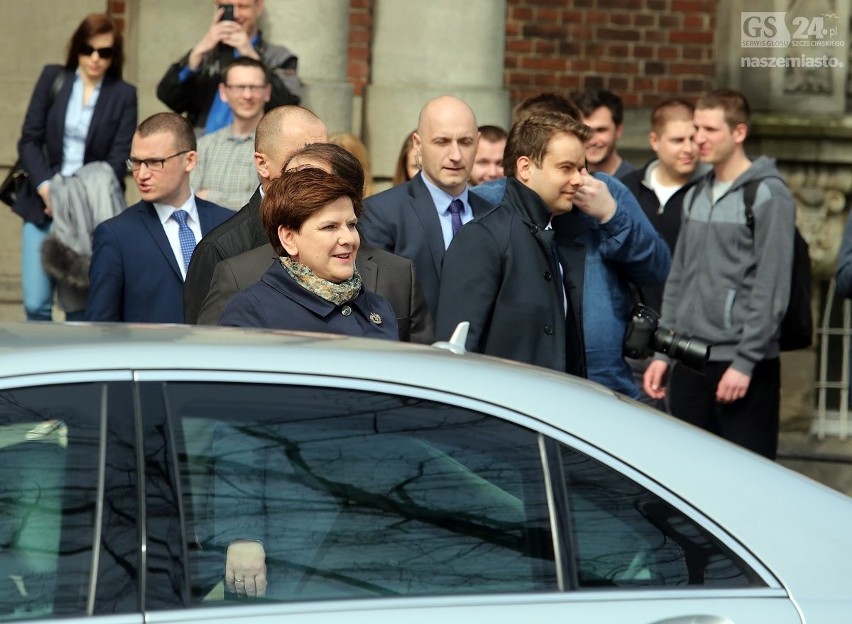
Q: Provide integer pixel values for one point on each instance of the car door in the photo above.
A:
(372, 501)
(68, 530)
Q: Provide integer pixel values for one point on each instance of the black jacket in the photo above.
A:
(500, 275)
(665, 219)
(194, 96)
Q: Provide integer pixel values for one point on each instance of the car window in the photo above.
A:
(626, 536)
(358, 494)
(49, 449)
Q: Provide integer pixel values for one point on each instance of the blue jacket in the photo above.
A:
(601, 261)
(134, 276)
(277, 301)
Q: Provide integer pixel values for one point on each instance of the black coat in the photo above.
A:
(499, 274)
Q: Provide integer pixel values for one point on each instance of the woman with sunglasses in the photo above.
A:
(80, 113)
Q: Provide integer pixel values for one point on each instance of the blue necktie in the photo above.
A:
(456, 209)
(185, 236)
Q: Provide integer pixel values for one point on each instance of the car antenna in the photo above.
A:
(457, 341)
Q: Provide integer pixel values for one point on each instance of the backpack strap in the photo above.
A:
(749, 193)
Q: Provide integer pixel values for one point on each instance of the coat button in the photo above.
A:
(548, 330)
(346, 311)
(548, 276)
(534, 229)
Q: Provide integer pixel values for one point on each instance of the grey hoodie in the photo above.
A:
(726, 285)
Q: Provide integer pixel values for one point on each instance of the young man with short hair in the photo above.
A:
(488, 162)
(603, 112)
(225, 173)
(541, 278)
(730, 284)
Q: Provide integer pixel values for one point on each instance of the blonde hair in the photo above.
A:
(354, 146)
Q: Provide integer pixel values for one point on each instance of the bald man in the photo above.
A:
(418, 219)
(279, 133)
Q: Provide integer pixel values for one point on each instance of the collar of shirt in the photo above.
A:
(171, 226)
(441, 199)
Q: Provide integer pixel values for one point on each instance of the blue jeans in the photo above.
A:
(36, 284)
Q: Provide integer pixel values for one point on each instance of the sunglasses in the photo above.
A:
(104, 53)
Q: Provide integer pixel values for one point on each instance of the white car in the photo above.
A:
(380, 483)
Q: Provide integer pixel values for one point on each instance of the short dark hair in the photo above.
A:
(341, 162)
(590, 100)
(96, 24)
(171, 123)
(292, 198)
(531, 136)
(734, 103)
(672, 109)
(493, 134)
(547, 102)
(246, 61)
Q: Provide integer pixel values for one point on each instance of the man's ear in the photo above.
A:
(619, 130)
(654, 140)
(523, 168)
(261, 163)
(287, 237)
(740, 132)
(191, 160)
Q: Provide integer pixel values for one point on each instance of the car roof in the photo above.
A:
(756, 500)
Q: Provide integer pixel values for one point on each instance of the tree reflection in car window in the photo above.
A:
(356, 494)
(626, 536)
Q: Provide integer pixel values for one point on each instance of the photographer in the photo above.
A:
(191, 85)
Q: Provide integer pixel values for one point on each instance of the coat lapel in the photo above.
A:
(424, 208)
(149, 218)
(367, 269)
(104, 102)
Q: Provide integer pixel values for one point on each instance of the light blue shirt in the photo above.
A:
(171, 227)
(442, 201)
(78, 118)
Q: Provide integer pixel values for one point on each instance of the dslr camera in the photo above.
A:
(643, 337)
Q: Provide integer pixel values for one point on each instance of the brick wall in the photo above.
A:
(116, 9)
(360, 41)
(643, 50)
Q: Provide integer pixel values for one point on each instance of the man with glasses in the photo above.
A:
(140, 257)
(190, 85)
(225, 173)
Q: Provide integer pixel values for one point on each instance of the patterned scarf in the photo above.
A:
(338, 294)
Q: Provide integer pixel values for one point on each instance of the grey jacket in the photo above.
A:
(728, 285)
(80, 202)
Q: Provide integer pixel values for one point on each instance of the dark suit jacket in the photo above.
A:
(404, 221)
(500, 275)
(383, 273)
(134, 276)
(242, 232)
(277, 301)
(110, 133)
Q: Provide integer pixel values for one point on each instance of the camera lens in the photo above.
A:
(690, 351)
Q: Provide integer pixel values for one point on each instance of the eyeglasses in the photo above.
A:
(104, 53)
(153, 164)
(239, 88)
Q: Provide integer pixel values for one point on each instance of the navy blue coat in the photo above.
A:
(134, 275)
(277, 301)
(403, 220)
(110, 133)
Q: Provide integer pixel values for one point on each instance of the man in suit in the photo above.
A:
(279, 133)
(384, 273)
(139, 257)
(418, 219)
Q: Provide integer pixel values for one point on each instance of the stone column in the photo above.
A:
(425, 49)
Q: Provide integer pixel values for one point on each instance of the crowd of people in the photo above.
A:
(544, 238)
